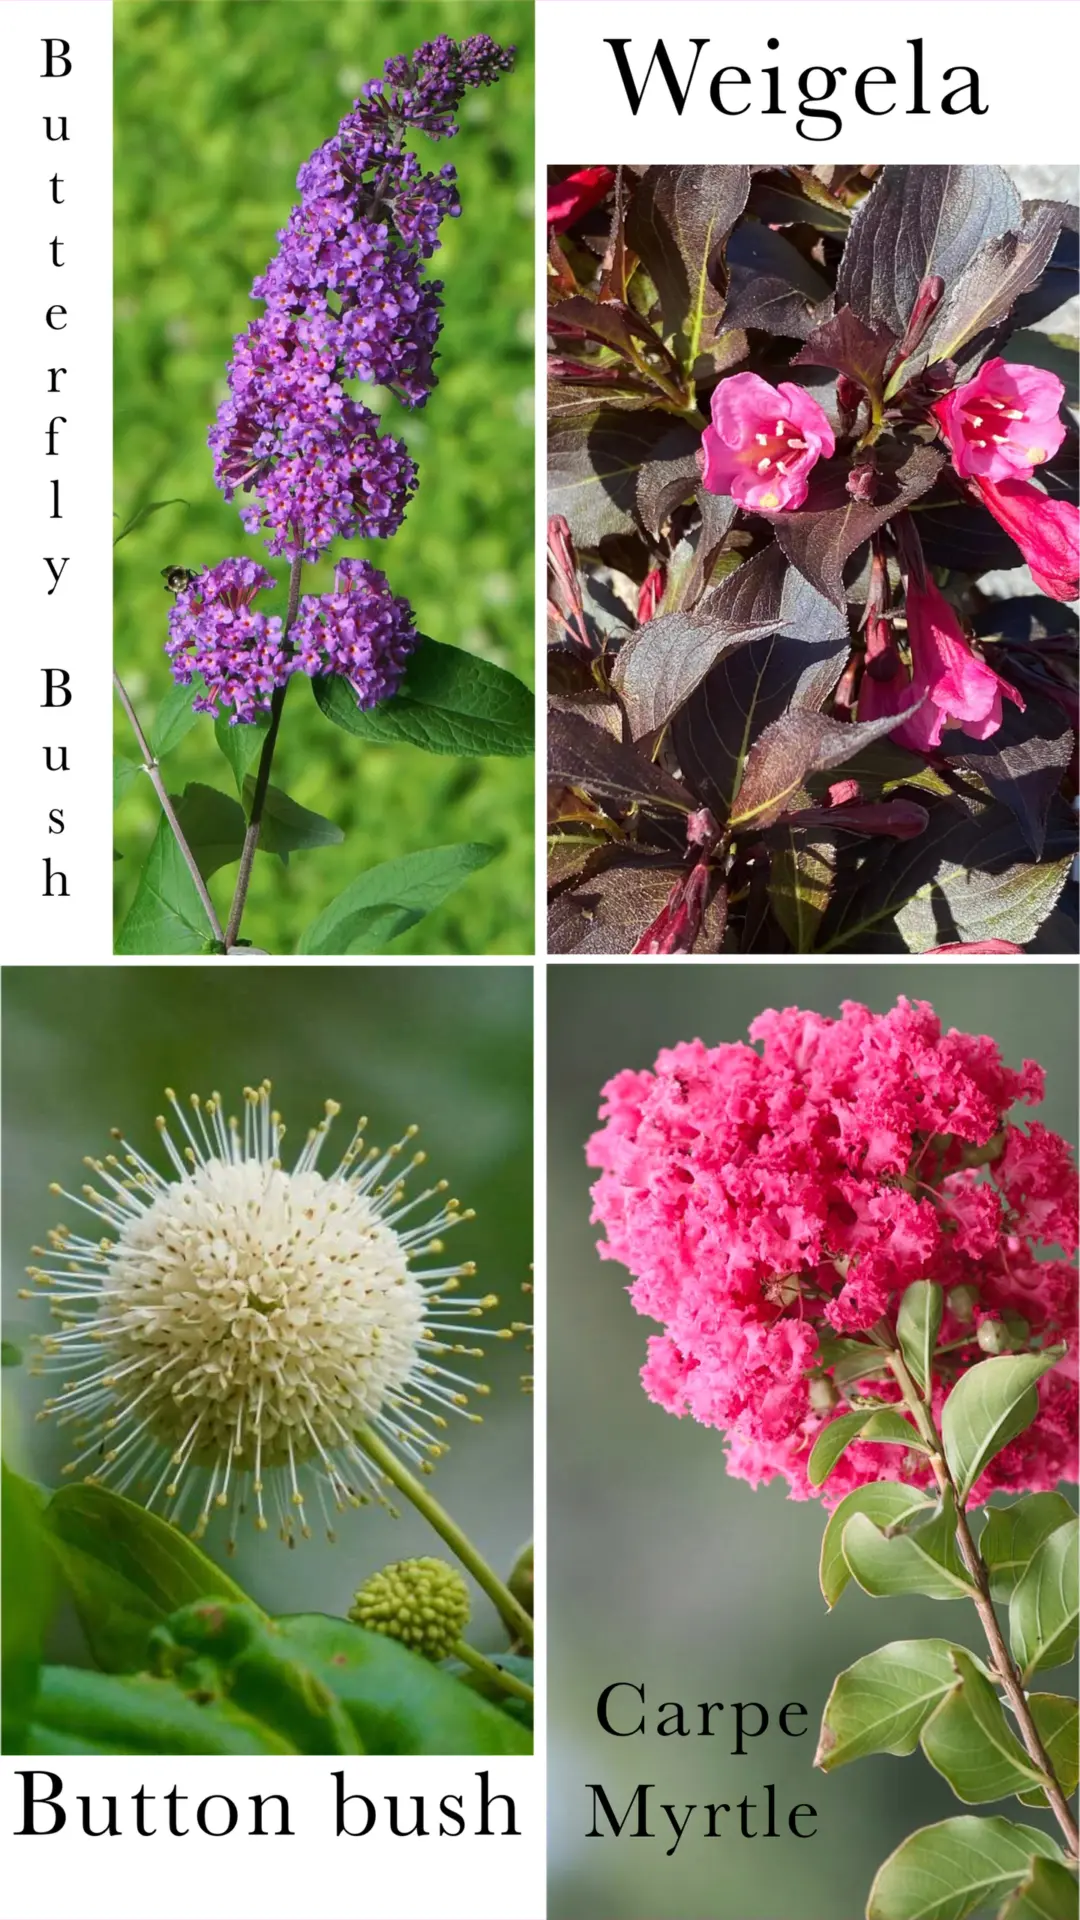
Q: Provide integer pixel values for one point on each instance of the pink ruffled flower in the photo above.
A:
(1004, 422)
(1046, 531)
(763, 1200)
(568, 199)
(763, 442)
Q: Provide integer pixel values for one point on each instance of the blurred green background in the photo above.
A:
(666, 1572)
(217, 104)
(447, 1047)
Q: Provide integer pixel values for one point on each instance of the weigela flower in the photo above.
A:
(763, 442)
(960, 689)
(576, 194)
(213, 631)
(361, 631)
(767, 1201)
(240, 1324)
(1046, 531)
(1004, 422)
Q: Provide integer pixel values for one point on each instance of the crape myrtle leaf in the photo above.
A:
(126, 1570)
(779, 202)
(848, 1360)
(1060, 282)
(388, 899)
(966, 878)
(593, 464)
(1013, 1534)
(989, 1405)
(1044, 1604)
(888, 1503)
(582, 755)
(852, 347)
(1028, 348)
(881, 1703)
(792, 747)
(664, 661)
(213, 824)
(450, 701)
(1047, 1892)
(751, 688)
(1006, 266)
(174, 718)
(83, 1712)
(927, 1561)
(668, 477)
(166, 914)
(1023, 761)
(1056, 1720)
(820, 537)
(771, 286)
(241, 745)
(609, 911)
(800, 880)
(915, 222)
(956, 1868)
(968, 1740)
(677, 222)
(288, 827)
(868, 1423)
(917, 1324)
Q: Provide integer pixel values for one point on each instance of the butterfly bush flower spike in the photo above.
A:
(214, 631)
(361, 631)
(763, 442)
(233, 1325)
(768, 1197)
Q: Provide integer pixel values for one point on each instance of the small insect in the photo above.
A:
(177, 578)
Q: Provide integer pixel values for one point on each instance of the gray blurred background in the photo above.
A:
(449, 1047)
(666, 1572)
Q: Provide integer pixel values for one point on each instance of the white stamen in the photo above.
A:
(762, 439)
(764, 465)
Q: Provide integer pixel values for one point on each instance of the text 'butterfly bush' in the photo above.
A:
(346, 299)
(770, 1203)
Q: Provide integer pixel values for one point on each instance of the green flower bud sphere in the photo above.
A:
(423, 1603)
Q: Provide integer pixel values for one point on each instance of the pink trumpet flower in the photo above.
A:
(763, 442)
(1004, 422)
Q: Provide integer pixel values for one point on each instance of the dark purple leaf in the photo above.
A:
(1004, 267)
(771, 286)
(852, 347)
(581, 755)
(678, 220)
(593, 465)
(779, 202)
(617, 326)
(1022, 763)
(820, 537)
(915, 222)
(1060, 282)
(607, 912)
(668, 478)
(897, 819)
(797, 744)
(686, 588)
(957, 532)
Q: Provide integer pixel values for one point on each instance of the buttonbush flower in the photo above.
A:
(239, 1324)
(361, 631)
(763, 442)
(767, 1201)
(213, 631)
(1046, 531)
(423, 1603)
(1004, 422)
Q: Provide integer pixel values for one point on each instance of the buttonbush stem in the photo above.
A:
(497, 1675)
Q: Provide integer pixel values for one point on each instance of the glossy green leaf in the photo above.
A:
(970, 1742)
(388, 899)
(1045, 1604)
(517, 1664)
(881, 1704)
(449, 702)
(288, 827)
(28, 1580)
(850, 1360)
(125, 774)
(1013, 1534)
(78, 1711)
(949, 1871)
(166, 915)
(868, 1423)
(927, 1561)
(126, 1569)
(887, 1503)
(917, 1324)
(1056, 1719)
(174, 718)
(990, 1404)
(1048, 1891)
(224, 1650)
(241, 745)
(213, 825)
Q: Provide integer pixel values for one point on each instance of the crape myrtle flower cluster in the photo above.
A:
(346, 299)
(770, 1203)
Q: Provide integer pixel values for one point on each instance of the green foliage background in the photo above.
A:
(217, 104)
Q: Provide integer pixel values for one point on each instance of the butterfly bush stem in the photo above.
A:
(262, 776)
(1004, 1666)
(150, 766)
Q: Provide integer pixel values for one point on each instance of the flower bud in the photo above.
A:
(862, 481)
(823, 1395)
(993, 1337)
(961, 1303)
(423, 1603)
(1019, 1329)
(522, 1582)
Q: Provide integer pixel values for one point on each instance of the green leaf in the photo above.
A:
(449, 702)
(127, 1571)
(82, 1712)
(948, 1871)
(990, 1404)
(1056, 1719)
(125, 773)
(143, 513)
(241, 744)
(969, 1741)
(924, 1562)
(1047, 1892)
(1045, 1604)
(288, 827)
(213, 825)
(887, 1503)
(849, 1360)
(1013, 1534)
(869, 1423)
(881, 1704)
(387, 899)
(10, 1354)
(166, 914)
(27, 1602)
(174, 718)
(917, 1326)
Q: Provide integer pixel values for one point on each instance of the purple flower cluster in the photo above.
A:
(346, 300)
(214, 632)
(361, 631)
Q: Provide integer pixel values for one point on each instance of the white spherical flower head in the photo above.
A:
(243, 1325)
